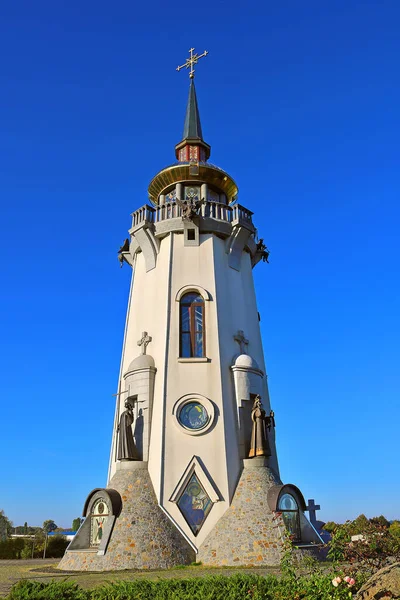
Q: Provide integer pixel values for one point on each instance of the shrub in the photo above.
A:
(56, 590)
(12, 548)
(236, 587)
(376, 548)
(56, 546)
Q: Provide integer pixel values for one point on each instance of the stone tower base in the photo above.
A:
(249, 533)
(142, 538)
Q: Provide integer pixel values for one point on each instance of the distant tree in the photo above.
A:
(330, 526)
(48, 526)
(359, 525)
(394, 529)
(5, 524)
(25, 528)
(76, 523)
(34, 547)
(381, 521)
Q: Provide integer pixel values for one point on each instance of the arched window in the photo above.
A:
(290, 513)
(192, 335)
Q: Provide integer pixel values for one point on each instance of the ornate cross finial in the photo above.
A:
(144, 341)
(191, 61)
(241, 340)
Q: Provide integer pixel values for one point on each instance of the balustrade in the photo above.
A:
(242, 214)
(144, 213)
(172, 210)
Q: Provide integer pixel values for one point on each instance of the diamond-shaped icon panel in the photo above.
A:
(195, 504)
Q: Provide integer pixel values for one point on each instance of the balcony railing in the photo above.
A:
(142, 214)
(172, 210)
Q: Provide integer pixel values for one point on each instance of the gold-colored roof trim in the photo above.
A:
(180, 172)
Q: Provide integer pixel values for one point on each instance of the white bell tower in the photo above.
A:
(192, 366)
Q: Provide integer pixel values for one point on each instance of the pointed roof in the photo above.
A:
(192, 147)
(192, 127)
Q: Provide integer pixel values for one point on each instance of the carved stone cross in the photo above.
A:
(312, 511)
(241, 340)
(144, 341)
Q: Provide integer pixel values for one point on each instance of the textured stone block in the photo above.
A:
(249, 533)
(384, 585)
(143, 537)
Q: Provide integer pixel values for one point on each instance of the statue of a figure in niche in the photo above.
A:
(262, 250)
(190, 208)
(126, 446)
(259, 445)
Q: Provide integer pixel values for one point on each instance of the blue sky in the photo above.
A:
(300, 103)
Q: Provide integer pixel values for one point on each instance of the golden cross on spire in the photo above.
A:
(191, 61)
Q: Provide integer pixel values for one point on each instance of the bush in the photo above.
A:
(56, 590)
(235, 587)
(375, 549)
(12, 548)
(56, 546)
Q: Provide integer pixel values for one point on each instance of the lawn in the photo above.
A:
(12, 571)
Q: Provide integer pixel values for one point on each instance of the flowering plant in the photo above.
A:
(373, 548)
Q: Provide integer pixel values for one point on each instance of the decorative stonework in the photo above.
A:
(143, 537)
(249, 533)
(144, 341)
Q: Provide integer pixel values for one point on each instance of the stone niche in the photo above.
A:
(139, 385)
(289, 502)
(101, 508)
(248, 381)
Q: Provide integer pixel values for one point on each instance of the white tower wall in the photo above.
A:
(230, 306)
(197, 471)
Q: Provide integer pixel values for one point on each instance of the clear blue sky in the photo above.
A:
(300, 103)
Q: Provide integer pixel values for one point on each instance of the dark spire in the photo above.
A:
(192, 127)
(192, 148)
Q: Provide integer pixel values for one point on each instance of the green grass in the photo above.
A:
(12, 571)
(239, 586)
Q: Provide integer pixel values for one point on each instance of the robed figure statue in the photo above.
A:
(126, 446)
(259, 445)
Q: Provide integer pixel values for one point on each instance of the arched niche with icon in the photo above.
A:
(100, 511)
(288, 501)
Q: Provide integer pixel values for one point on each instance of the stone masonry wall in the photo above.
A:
(248, 534)
(143, 537)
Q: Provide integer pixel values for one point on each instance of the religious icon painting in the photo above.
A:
(171, 196)
(192, 194)
(194, 504)
(193, 415)
(212, 196)
(98, 519)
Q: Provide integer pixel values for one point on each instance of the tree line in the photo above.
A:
(34, 542)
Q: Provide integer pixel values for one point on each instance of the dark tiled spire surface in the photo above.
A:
(192, 127)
